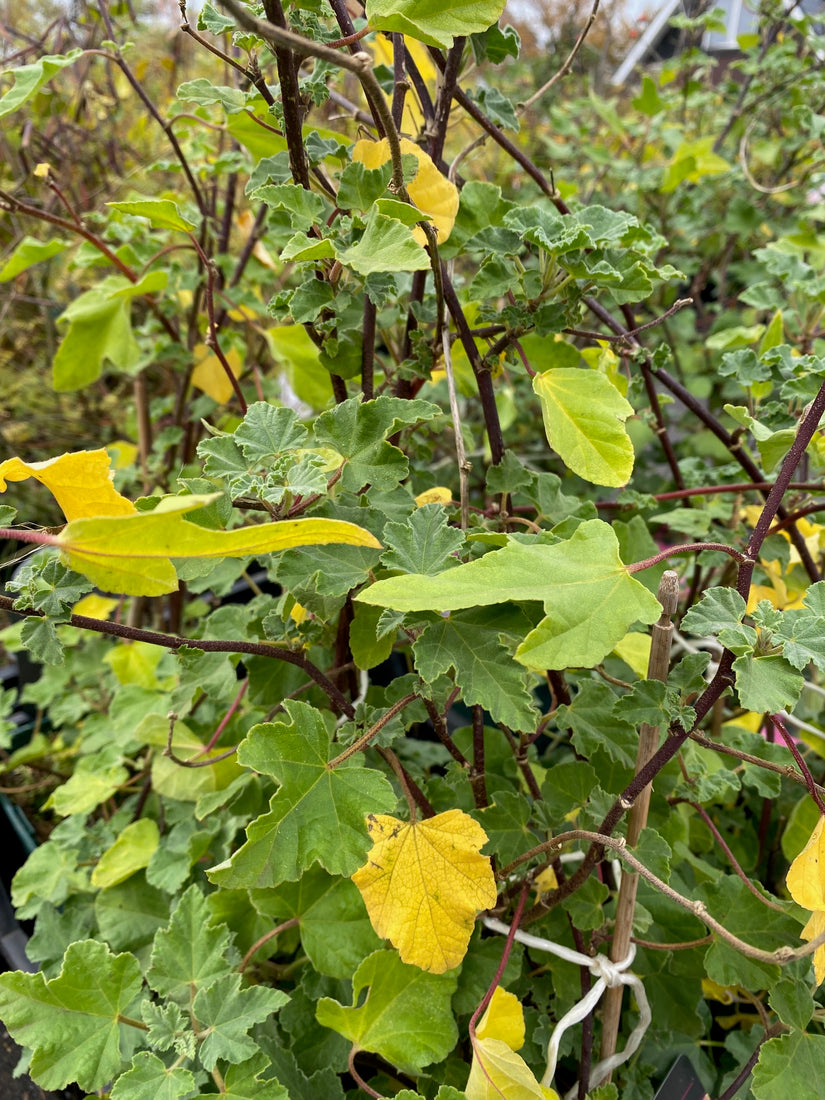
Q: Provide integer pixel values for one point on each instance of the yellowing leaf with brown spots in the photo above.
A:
(431, 191)
(423, 885)
(806, 877)
(80, 482)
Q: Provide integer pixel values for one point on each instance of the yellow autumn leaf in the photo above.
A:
(806, 876)
(130, 554)
(503, 1019)
(814, 928)
(210, 376)
(80, 482)
(432, 192)
(497, 1071)
(439, 494)
(423, 885)
(634, 650)
(94, 606)
(246, 223)
(546, 881)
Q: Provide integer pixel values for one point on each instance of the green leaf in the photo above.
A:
(29, 79)
(50, 874)
(648, 101)
(584, 418)
(788, 1065)
(39, 636)
(506, 821)
(791, 1000)
(359, 186)
(693, 161)
(406, 1017)
(470, 642)
(150, 1079)
(367, 646)
(226, 1013)
(335, 930)
(70, 1022)
(204, 92)
(717, 609)
(423, 543)
(767, 684)
(161, 213)
(317, 814)
(434, 22)
(95, 778)
(243, 1082)
(596, 727)
(29, 252)
(589, 597)
(130, 914)
(131, 852)
(358, 431)
(387, 245)
(191, 953)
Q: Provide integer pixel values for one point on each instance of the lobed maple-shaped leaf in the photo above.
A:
(584, 416)
(150, 1079)
(789, 1065)
(589, 597)
(244, 1082)
(316, 815)
(130, 554)
(71, 1023)
(406, 1015)
(226, 1013)
(335, 929)
(423, 543)
(191, 953)
(423, 884)
(358, 430)
(470, 642)
(80, 482)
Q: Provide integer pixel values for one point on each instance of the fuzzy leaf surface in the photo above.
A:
(227, 1013)
(191, 953)
(150, 1079)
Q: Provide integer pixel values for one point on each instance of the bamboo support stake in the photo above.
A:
(657, 669)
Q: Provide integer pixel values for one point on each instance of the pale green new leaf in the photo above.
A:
(29, 79)
(406, 1017)
(29, 252)
(434, 22)
(584, 416)
(150, 1079)
(226, 1013)
(130, 853)
(71, 1022)
(162, 213)
(589, 597)
(317, 814)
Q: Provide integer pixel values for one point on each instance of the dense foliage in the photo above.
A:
(465, 435)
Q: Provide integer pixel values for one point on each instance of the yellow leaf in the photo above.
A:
(381, 46)
(130, 554)
(94, 606)
(246, 221)
(210, 376)
(135, 663)
(439, 494)
(634, 650)
(498, 1072)
(122, 453)
(546, 881)
(81, 483)
(806, 876)
(503, 1019)
(431, 192)
(814, 928)
(423, 884)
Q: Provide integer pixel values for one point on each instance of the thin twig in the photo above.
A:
(565, 69)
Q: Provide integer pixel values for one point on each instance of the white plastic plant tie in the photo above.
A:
(607, 973)
(363, 688)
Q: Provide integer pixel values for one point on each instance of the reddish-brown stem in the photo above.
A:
(293, 922)
(686, 548)
(810, 782)
(224, 722)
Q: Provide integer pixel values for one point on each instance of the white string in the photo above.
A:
(607, 974)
